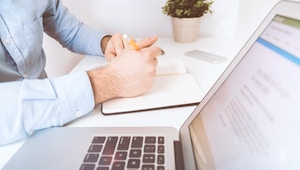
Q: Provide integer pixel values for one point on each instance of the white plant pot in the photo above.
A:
(185, 30)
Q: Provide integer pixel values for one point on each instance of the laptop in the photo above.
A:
(250, 119)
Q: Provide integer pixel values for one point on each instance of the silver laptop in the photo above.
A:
(250, 119)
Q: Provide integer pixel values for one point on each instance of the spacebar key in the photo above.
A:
(110, 146)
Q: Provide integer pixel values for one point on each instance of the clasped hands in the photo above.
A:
(130, 72)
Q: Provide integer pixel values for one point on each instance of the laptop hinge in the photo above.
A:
(178, 156)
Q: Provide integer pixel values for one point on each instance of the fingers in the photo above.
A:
(155, 62)
(110, 56)
(147, 42)
(114, 46)
(153, 51)
(143, 43)
(126, 41)
(118, 43)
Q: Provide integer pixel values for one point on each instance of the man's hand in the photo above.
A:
(129, 74)
(116, 44)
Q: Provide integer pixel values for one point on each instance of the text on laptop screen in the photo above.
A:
(255, 112)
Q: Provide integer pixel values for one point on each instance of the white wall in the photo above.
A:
(144, 17)
(251, 13)
(141, 18)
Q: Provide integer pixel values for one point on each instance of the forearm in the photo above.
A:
(104, 83)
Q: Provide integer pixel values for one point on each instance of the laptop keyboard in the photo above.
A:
(126, 152)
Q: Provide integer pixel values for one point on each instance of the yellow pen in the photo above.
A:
(131, 42)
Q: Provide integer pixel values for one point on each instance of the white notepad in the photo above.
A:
(172, 87)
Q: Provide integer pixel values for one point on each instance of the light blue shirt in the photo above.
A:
(29, 101)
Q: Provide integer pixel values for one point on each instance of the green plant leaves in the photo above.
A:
(187, 8)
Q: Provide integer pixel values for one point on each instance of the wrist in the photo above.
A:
(103, 84)
(104, 42)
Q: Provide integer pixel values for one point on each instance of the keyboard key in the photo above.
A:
(124, 143)
(160, 168)
(110, 146)
(87, 167)
(95, 148)
(149, 158)
(133, 163)
(160, 159)
(99, 139)
(161, 140)
(91, 158)
(121, 156)
(150, 139)
(149, 148)
(135, 153)
(118, 166)
(137, 142)
(160, 149)
(148, 167)
(105, 160)
(103, 168)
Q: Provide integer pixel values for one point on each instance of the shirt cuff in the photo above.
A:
(75, 95)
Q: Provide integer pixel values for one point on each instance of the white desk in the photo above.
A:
(205, 73)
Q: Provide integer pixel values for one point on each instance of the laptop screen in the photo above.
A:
(253, 119)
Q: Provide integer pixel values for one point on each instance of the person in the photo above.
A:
(29, 100)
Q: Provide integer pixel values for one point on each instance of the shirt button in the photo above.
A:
(78, 113)
(30, 132)
(25, 76)
(7, 40)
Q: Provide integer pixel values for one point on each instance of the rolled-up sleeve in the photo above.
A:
(39, 104)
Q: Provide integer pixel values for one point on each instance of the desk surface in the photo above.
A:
(204, 72)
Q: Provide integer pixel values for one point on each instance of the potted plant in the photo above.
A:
(186, 16)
